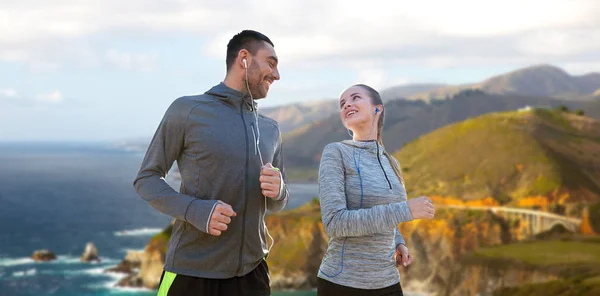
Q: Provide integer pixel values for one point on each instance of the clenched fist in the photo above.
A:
(270, 181)
(402, 256)
(220, 218)
(421, 207)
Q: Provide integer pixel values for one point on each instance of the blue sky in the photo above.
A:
(100, 70)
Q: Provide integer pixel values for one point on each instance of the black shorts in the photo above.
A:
(327, 288)
(255, 283)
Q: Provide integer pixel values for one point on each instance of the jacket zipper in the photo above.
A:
(380, 165)
(245, 191)
(257, 151)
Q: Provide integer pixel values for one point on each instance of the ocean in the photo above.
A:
(60, 197)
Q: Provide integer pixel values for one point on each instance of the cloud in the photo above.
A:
(9, 97)
(311, 33)
(54, 97)
(13, 97)
(8, 93)
(131, 61)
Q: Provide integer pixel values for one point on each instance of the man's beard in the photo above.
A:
(254, 82)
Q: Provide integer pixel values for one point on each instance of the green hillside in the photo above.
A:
(507, 156)
(576, 262)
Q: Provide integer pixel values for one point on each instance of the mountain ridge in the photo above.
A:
(536, 80)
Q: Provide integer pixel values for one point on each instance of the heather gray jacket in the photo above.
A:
(363, 234)
(212, 138)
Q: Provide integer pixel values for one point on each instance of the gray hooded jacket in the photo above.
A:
(213, 139)
(360, 214)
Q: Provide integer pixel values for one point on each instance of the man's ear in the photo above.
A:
(244, 58)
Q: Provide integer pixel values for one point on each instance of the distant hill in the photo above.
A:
(507, 156)
(535, 81)
(293, 116)
(404, 91)
(592, 108)
(539, 80)
(407, 120)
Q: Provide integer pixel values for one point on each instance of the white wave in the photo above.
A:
(125, 251)
(66, 259)
(27, 260)
(62, 259)
(94, 271)
(112, 286)
(109, 261)
(100, 272)
(119, 290)
(138, 232)
(103, 261)
(28, 272)
(15, 261)
(114, 278)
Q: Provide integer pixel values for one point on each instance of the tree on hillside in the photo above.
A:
(562, 108)
(579, 112)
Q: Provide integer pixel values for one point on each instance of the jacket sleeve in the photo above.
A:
(399, 239)
(275, 205)
(338, 220)
(166, 145)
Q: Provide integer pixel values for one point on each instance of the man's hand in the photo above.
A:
(220, 218)
(270, 181)
(402, 257)
(421, 207)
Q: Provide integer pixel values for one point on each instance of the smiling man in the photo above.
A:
(231, 165)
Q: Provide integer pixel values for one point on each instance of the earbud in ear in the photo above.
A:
(376, 110)
(245, 65)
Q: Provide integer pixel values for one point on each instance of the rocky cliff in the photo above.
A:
(444, 249)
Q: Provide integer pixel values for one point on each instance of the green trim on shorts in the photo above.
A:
(167, 281)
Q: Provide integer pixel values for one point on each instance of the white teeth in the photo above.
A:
(350, 113)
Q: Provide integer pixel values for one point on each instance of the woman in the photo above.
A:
(363, 200)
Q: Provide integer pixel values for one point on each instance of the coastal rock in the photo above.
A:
(131, 281)
(43, 255)
(131, 263)
(152, 267)
(134, 256)
(90, 254)
(145, 267)
(300, 243)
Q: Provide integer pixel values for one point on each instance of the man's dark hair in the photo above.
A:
(248, 40)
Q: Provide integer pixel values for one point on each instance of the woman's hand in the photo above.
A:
(402, 257)
(421, 207)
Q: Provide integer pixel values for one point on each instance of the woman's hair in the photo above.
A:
(376, 100)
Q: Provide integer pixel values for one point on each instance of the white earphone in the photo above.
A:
(245, 65)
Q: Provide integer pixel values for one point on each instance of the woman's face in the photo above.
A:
(356, 108)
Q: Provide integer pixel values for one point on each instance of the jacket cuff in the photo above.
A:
(199, 212)
(400, 241)
(281, 194)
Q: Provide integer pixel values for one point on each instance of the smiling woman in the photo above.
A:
(363, 199)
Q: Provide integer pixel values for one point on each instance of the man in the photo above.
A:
(218, 245)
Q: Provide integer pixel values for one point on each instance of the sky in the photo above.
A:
(106, 70)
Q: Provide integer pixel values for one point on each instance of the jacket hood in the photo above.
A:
(371, 146)
(233, 97)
